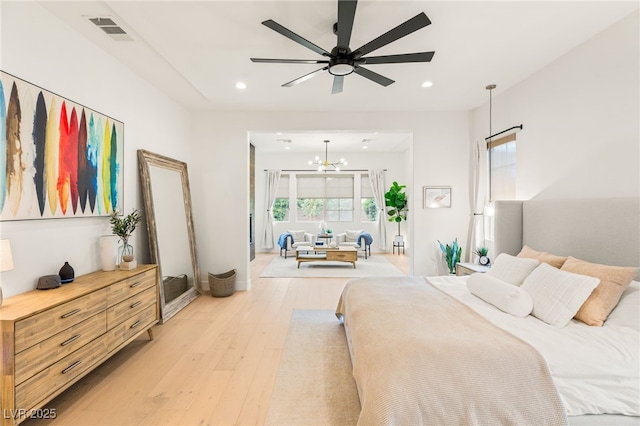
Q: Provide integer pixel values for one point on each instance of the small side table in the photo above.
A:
(398, 246)
(470, 268)
(327, 237)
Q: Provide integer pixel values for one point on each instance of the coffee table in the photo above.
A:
(326, 254)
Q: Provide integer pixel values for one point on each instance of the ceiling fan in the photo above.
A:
(342, 60)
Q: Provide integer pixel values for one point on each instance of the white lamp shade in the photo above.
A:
(6, 258)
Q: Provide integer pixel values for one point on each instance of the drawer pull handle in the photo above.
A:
(136, 304)
(136, 284)
(66, 342)
(68, 314)
(135, 324)
(71, 367)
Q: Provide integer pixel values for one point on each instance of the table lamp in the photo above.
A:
(6, 260)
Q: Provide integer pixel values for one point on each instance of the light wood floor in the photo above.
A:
(214, 363)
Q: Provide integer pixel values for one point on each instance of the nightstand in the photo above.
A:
(469, 268)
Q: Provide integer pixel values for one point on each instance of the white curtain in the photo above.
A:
(376, 177)
(475, 233)
(273, 178)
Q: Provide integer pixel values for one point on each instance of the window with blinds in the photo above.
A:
(325, 197)
(369, 208)
(281, 204)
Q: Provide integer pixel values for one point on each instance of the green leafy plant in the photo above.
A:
(396, 200)
(124, 226)
(481, 251)
(451, 254)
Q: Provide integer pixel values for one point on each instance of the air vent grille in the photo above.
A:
(110, 28)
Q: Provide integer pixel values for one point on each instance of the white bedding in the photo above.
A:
(595, 369)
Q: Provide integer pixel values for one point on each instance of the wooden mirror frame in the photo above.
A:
(147, 159)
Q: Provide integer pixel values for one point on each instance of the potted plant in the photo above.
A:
(396, 200)
(123, 227)
(451, 254)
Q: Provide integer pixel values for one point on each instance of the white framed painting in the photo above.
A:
(436, 197)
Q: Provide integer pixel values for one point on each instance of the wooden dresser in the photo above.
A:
(52, 338)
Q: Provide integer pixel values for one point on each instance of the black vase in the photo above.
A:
(66, 273)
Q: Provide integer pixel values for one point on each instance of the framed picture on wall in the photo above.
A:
(58, 158)
(436, 197)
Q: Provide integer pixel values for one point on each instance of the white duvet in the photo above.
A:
(595, 369)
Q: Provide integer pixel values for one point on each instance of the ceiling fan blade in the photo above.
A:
(398, 59)
(304, 77)
(290, 61)
(373, 76)
(338, 81)
(346, 14)
(293, 36)
(419, 21)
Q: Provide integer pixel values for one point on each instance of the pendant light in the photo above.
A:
(324, 166)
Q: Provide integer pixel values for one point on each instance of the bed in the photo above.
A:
(430, 350)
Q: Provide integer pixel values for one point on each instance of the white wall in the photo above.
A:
(581, 120)
(86, 75)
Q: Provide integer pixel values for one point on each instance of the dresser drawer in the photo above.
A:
(38, 387)
(126, 288)
(130, 307)
(133, 325)
(53, 349)
(39, 327)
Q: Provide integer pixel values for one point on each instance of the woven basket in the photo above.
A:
(222, 285)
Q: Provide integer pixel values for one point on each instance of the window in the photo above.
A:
(502, 164)
(281, 204)
(502, 176)
(369, 208)
(323, 197)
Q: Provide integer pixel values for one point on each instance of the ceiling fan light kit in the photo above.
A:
(342, 61)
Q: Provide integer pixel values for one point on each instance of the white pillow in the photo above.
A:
(352, 235)
(297, 235)
(504, 296)
(511, 269)
(557, 295)
(627, 312)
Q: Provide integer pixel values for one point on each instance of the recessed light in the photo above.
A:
(240, 85)
(365, 147)
(287, 147)
(427, 84)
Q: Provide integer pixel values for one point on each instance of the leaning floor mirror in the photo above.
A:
(172, 245)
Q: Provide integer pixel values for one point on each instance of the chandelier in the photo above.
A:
(326, 165)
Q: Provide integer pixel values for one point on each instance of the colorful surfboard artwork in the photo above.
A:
(57, 158)
(3, 147)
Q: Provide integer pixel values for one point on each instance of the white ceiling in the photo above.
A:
(196, 51)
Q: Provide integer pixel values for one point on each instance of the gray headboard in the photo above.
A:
(599, 230)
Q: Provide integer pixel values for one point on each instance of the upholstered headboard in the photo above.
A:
(602, 230)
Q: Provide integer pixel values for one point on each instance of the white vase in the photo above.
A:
(108, 252)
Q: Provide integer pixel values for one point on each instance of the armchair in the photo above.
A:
(292, 239)
(355, 238)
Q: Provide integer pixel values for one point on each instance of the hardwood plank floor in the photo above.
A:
(214, 363)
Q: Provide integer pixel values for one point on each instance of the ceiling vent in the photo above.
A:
(110, 28)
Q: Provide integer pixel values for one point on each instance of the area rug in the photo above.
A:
(314, 385)
(288, 268)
